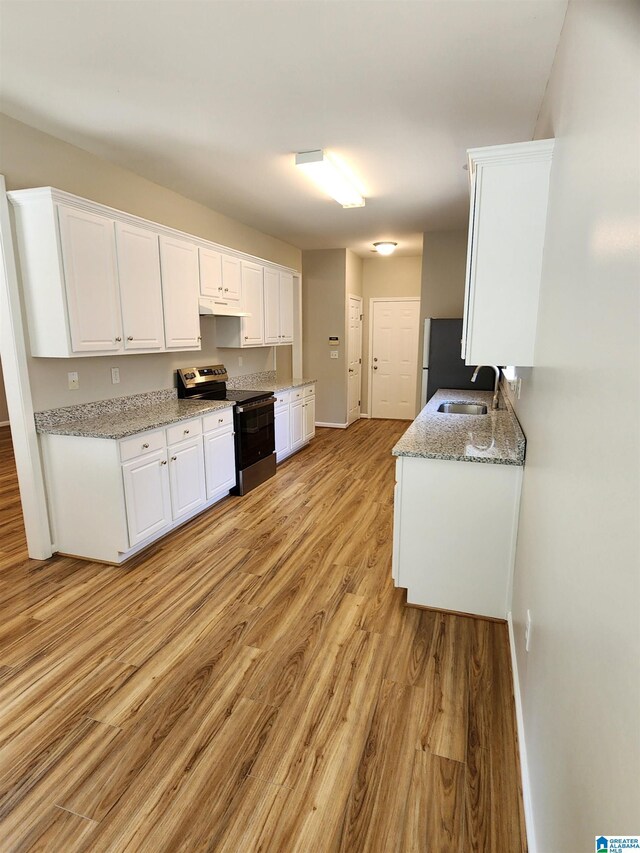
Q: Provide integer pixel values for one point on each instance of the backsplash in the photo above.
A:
(245, 381)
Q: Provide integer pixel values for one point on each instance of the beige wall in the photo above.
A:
(444, 259)
(29, 158)
(324, 274)
(392, 276)
(4, 412)
(578, 560)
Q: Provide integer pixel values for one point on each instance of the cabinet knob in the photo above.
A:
(375, 359)
(375, 367)
(118, 339)
(145, 445)
(130, 338)
(220, 420)
(173, 459)
(246, 337)
(186, 432)
(199, 337)
(164, 462)
(226, 290)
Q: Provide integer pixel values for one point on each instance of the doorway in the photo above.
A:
(354, 359)
(393, 358)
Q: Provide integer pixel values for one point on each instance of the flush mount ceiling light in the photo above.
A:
(326, 173)
(385, 247)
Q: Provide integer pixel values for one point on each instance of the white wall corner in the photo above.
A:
(522, 747)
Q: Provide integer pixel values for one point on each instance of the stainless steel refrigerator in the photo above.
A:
(442, 366)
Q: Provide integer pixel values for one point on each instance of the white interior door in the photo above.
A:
(394, 358)
(354, 358)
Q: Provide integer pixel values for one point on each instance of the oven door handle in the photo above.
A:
(253, 407)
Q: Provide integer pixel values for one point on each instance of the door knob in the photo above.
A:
(350, 370)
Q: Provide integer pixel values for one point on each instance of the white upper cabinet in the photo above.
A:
(231, 278)
(278, 307)
(210, 272)
(180, 286)
(508, 211)
(91, 280)
(140, 287)
(253, 302)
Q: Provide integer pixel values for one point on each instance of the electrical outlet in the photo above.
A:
(333, 353)
(74, 382)
(115, 375)
(527, 632)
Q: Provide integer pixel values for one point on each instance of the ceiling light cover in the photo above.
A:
(385, 247)
(327, 174)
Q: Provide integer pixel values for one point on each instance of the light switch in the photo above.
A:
(74, 382)
(333, 353)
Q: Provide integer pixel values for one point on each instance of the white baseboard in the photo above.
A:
(333, 426)
(364, 415)
(524, 766)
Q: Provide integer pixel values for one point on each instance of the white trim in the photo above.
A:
(364, 415)
(18, 391)
(333, 426)
(4, 423)
(524, 765)
(347, 348)
(372, 300)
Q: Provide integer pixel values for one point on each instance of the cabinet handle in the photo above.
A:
(173, 459)
(199, 337)
(351, 370)
(145, 446)
(130, 338)
(164, 462)
(118, 339)
(226, 290)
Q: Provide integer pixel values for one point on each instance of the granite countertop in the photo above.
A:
(265, 382)
(495, 438)
(124, 416)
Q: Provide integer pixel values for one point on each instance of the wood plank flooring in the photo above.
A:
(253, 682)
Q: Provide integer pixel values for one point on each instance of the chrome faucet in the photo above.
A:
(494, 404)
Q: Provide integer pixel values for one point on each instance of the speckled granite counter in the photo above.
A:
(265, 382)
(495, 438)
(124, 416)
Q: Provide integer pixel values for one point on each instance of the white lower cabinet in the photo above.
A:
(146, 492)
(295, 420)
(186, 477)
(454, 533)
(127, 493)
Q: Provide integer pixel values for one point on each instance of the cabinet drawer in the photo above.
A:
(140, 445)
(184, 430)
(218, 420)
(297, 394)
(309, 390)
(282, 399)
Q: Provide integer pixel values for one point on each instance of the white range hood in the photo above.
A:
(210, 307)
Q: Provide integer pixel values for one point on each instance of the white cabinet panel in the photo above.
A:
(297, 424)
(220, 462)
(91, 280)
(272, 333)
(186, 472)
(210, 272)
(180, 287)
(309, 419)
(253, 301)
(286, 308)
(231, 278)
(507, 222)
(283, 432)
(138, 255)
(146, 489)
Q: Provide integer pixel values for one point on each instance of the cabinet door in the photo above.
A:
(231, 278)
(220, 462)
(272, 333)
(210, 272)
(286, 308)
(91, 280)
(253, 301)
(283, 432)
(186, 474)
(297, 424)
(309, 425)
(146, 491)
(180, 286)
(140, 287)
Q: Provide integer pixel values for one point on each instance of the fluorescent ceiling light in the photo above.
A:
(330, 177)
(385, 247)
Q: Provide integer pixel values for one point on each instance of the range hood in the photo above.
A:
(209, 307)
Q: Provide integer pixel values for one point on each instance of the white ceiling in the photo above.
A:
(212, 98)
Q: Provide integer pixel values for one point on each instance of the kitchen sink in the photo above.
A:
(462, 408)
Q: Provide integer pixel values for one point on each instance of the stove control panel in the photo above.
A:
(199, 378)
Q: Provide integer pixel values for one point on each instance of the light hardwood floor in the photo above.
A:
(253, 682)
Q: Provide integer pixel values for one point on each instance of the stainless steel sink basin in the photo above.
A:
(462, 408)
